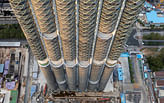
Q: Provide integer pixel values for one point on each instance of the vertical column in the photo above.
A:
(83, 77)
(105, 77)
(46, 20)
(50, 78)
(72, 77)
(87, 22)
(67, 26)
(60, 76)
(24, 16)
(129, 16)
(95, 75)
(108, 19)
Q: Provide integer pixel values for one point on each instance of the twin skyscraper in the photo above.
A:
(76, 42)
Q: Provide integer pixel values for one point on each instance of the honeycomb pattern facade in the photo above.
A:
(72, 77)
(46, 20)
(45, 16)
(67, 24)
(60, 77)
(101, 48)
(105, 76)
(129, 15)
(63, 69)
(83, 78)
(87, 22)
(109, 15)
(24, 16)
(53, 48)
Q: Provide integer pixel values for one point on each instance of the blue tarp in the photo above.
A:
(1, 68)
(145, 68)
(17, 62)
(145, 75)
(148, 5)
(153, 18)
(123, 99)
(33, 89)
(120, 74)
(35, 75)
(7, 64)
(125, 54)
(139, 56)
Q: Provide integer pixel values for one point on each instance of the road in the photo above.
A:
(148, 32)
(149, 84)
(140, 81)
(28, 81)
(8, 20)
(131, 40)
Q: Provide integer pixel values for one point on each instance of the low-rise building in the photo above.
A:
(159, 74)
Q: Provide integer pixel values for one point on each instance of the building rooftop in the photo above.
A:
(160, 83)
(139, 56)
(14, 96)
(152, 17)
(1, 68)
(10, 44)
(161, 100)
(120, 77)
(125, 54)
(159, 74)
(33, 89)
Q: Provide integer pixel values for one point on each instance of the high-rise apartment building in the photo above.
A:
(76, 42)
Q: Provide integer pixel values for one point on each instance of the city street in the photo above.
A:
(28, 81)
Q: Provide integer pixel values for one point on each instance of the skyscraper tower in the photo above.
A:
(26, 20)
(62, 36)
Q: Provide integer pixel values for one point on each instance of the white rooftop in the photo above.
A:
(9, 44)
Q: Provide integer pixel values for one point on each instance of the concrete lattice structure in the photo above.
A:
(46, 20)
(67, 26)
(25, 18)
(87, 22)
(56, 52)
(129, 16)
(108, 18)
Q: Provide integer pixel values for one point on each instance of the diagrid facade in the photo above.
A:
(76, 42)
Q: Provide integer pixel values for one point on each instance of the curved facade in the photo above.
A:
(105, 77)
(53, 49)
(45, 16)
(101, 48)
(108, 19)
(60, 77)
(48, 74)
(109, 15)
(46, 19)
(87, 22)
(67, 26)
(83, 78)
(95, 75)
(24, 16)
(129, 15)
(72, 77)
(77, 19)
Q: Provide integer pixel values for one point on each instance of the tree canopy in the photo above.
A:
(156, 63)
(11, 31)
